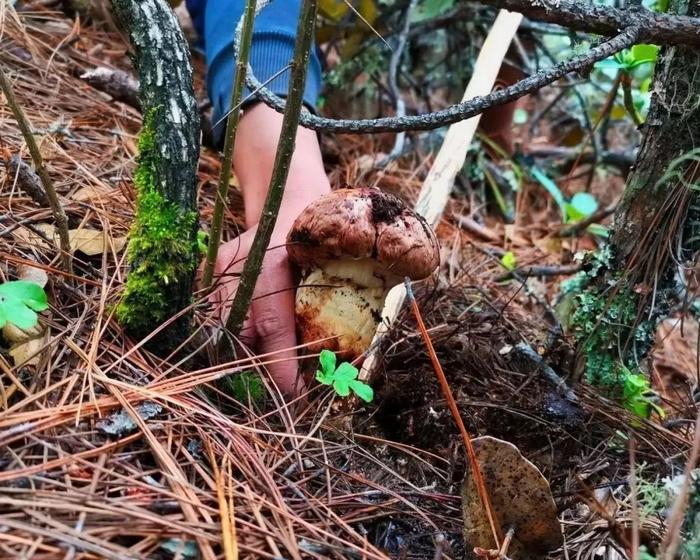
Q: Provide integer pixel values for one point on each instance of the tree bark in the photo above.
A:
(656, 226)
(163, 252)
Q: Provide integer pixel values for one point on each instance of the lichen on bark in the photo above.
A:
(163, 252)
(626, 290)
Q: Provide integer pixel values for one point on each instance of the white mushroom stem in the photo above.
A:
(342, 298)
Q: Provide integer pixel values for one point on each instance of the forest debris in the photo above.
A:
(521, 499)
(120, 423)
(25, 177)
(119, 85)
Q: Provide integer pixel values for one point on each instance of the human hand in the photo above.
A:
(271, 324)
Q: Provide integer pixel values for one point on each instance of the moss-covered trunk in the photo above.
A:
(654, 226)
(163, 252)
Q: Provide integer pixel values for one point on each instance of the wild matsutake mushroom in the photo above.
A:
(352, 246)
(521, 499)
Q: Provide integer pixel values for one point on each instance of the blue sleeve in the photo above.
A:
(273, 48)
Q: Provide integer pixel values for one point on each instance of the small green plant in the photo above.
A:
(248, 385)
(19, 302)
(637, 395)
(509, 261)
(343, 379)
(581, 206)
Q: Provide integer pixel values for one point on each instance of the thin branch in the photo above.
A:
(280, 170)
(229, 142)
(657, 28)
(394, 65)
(58, 212)
(552, 376)
(459, 111)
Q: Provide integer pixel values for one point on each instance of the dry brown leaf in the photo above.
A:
(91, 193)
(32, 274)
(521, 499)
(13, 333)
(31, 238)
(93, 241)
(28, 353)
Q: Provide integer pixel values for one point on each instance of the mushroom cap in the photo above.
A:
(520, 497)
(364, 223)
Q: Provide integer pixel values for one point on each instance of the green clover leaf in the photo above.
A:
(362, 390)
(343, 378)
(19, 300)
(325, 375)
(327, 360)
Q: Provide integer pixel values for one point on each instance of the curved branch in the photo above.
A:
(658, 28)
(460, 111)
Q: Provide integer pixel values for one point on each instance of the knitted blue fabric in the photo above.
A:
(273, 49)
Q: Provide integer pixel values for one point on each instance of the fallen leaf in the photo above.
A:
(521, 499)
(91, 193)
(32, 274)
(29, 353)
(31, 238)
(93, 241)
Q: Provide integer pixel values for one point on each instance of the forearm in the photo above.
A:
(254, 156)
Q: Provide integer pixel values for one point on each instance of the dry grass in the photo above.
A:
(281, 476)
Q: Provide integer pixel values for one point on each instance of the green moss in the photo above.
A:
(162, 252)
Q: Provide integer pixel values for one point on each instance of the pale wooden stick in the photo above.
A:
(437, 187)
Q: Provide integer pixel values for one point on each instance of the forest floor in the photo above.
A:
(79, 481)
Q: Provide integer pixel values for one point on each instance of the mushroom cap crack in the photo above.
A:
(364, 223)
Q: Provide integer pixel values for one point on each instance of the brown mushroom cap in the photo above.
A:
(521, 499)
(360, 224)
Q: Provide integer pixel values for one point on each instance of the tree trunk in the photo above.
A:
(163, 252)
(655, 226)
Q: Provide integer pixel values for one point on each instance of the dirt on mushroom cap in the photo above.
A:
(521, 499)
(364, 223)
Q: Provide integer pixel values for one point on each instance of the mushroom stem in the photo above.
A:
(343, 297)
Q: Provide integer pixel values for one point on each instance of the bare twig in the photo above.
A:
(542, 270)
(25, 177)
(626, 82)
(58, 212)
(280, 170)
(229, 142)
(394, 65)
(459, 111)
(551, 375)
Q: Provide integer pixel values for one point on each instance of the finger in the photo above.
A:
(273, 313)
